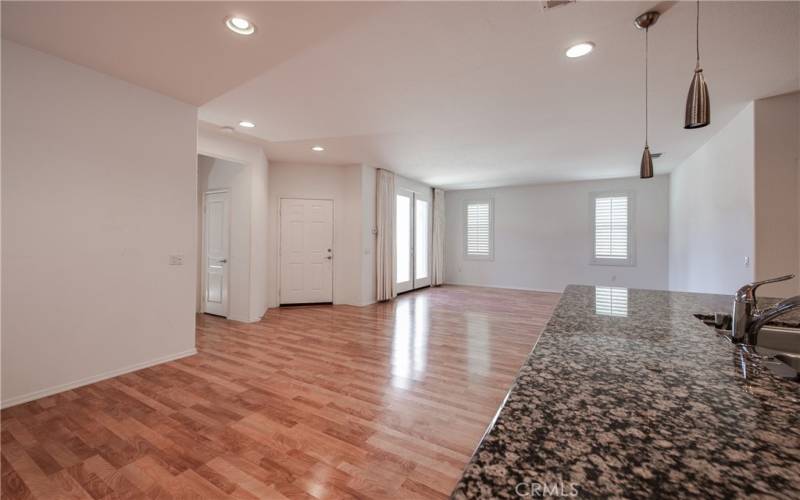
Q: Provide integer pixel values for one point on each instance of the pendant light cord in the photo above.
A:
(646, 49)
(697, 34)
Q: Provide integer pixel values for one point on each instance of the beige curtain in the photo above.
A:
(384, 254)
(437, 268)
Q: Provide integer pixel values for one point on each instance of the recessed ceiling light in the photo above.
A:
(580, 49)
(247, 124)
(318, 148)
(240, 25)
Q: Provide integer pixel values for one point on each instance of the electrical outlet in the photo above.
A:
(176, 260)
(747, 261)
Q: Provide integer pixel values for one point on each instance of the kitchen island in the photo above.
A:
(627, 394)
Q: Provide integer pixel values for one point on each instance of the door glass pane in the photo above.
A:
(421, 240)
(403, 238)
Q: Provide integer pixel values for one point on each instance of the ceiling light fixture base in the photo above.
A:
(240, 25)
(580, 49)
(646, 20)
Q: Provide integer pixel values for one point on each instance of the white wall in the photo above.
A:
(543, 238)
(368, 237)
(348, 282)
(342, 184)
(216, 145)
(712, 212)
(777, 197)
(216, 174)
(259, 244)
(99, 188)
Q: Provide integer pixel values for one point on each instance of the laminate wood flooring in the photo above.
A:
(383, 401)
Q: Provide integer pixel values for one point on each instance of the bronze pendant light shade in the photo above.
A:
(646, 168)
(644, 22)
(698, 106)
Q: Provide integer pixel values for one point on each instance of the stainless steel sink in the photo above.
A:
(780, 338)
(776, 342)
(790, 359)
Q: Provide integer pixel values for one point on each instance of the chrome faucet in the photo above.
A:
(748, 319)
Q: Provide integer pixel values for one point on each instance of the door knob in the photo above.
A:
(329, 257)
(223, 261)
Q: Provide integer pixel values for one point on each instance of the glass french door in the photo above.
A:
(422, 241)
(404, 216)
(412, 240)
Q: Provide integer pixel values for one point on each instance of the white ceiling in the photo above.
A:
(454, 94)
(181, 49)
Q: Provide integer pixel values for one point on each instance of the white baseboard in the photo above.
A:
(481, 285)
(94, 378)
(240, 319)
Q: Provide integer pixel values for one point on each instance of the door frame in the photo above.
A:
(413, 281)
(280, 244)
(204, 255)
(406, 286)
(427, 280)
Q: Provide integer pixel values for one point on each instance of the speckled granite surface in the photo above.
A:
(646, 403)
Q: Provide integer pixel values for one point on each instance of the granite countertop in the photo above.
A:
(627, 394)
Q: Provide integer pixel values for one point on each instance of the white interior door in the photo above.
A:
(404, 253)
(306, 251)
(422, 243)
(216, 242)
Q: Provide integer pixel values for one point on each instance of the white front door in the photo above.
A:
(306, 251)
(216, 244)
(403, 240)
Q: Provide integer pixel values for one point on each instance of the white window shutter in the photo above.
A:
(478, 229)
(612, 239)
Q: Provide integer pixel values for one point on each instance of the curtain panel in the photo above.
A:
(384, 254)
(437, 266)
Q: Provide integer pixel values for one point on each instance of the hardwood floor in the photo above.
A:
(384, 401)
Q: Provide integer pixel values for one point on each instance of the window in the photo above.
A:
(479, 229)
(611, 224)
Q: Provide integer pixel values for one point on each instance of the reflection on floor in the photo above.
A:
(387, 400)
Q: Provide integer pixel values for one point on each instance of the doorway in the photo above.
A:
(306, 251)
(216, 251)
(412, 240)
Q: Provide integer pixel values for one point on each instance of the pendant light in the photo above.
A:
(698, 107)
(644, 22)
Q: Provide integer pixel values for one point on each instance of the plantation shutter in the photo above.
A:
(478, 240)
(611, 228)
